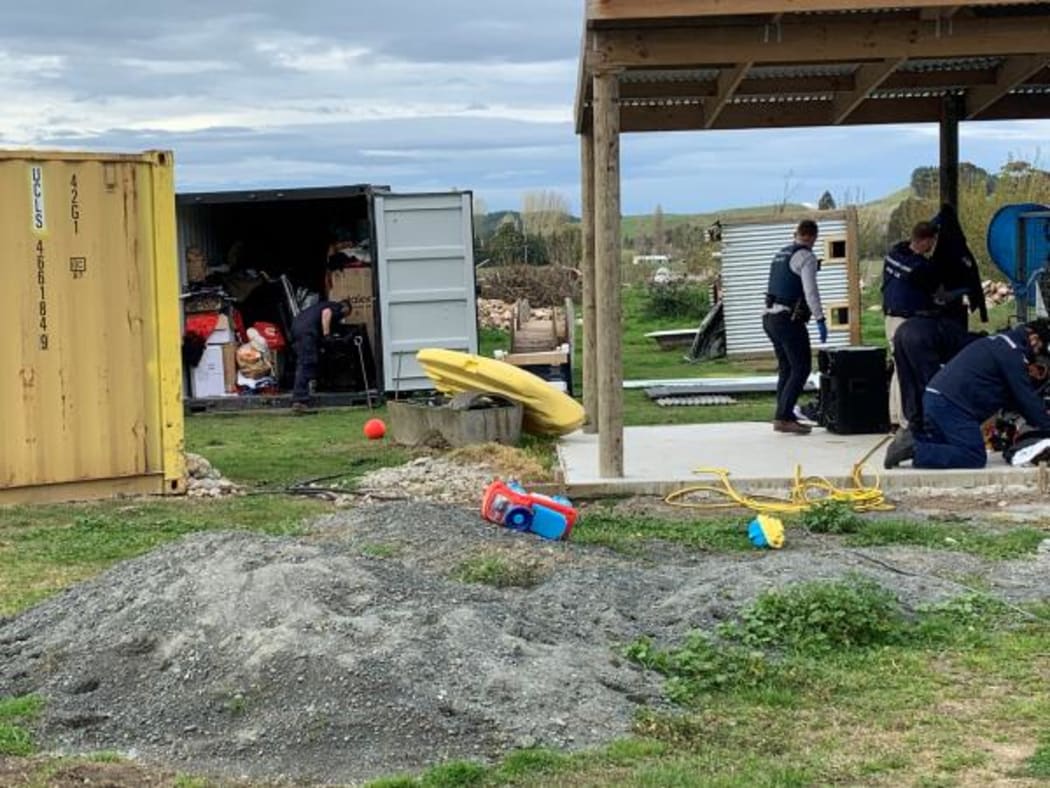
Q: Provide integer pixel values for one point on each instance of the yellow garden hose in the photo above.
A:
(806, 491)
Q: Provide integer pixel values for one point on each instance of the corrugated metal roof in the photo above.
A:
(747, 250)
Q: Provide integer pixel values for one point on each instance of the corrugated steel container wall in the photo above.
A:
(747, 250)
(90, 367)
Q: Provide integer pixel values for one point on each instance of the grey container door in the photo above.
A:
(425, 266)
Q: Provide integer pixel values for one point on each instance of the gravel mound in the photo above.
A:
(353, 653)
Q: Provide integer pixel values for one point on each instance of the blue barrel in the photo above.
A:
(1004, 238)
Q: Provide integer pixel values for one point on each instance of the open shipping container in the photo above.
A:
(89, 366)
(412, 285)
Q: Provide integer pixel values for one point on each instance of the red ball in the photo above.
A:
(375, 429)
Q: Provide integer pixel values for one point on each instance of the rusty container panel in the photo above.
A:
(90, 363)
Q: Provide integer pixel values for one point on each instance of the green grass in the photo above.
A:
(275, 449)
(978, 540)
(629, 533)
(1039, 764)
(15, 713)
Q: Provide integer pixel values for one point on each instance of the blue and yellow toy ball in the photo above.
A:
(766, 532)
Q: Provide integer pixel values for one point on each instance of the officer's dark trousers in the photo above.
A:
(306, 361)
(952, 437)
(794, 360)
(920, 346)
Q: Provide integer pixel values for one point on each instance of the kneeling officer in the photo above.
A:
(987, 376)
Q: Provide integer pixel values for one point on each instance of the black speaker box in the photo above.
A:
(341, 360)
(854, 390)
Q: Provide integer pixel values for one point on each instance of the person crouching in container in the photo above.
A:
(792, 299)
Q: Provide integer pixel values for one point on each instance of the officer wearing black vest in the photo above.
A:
(792, 298)
(909, 281)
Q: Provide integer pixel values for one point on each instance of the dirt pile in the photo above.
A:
(353, 652)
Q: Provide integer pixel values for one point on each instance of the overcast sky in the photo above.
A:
(414, 94)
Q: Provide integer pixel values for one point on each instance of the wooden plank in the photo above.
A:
(547, 357)
(868, 78)
(1014, 72)
(608, 274)
(848, 40)
(625, 10)
(728, 81)
(853, 274)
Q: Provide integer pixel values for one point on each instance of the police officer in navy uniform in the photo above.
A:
(988, 375)
(310, 329)
(792, 298)
(909, 281)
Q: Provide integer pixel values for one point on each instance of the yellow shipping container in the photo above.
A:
(90, 361)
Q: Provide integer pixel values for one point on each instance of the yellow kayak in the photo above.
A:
(547, 410)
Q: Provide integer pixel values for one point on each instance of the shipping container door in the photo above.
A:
(78, 363)
(425, 269)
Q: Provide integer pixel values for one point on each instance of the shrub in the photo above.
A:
(677, 299)
(821, 617)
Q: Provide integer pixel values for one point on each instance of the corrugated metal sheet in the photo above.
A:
(747, 250)
(425, 263)
(90, 369)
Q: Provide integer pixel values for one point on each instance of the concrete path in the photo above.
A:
(658, 460)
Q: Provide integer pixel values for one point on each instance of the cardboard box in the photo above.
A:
(356, 285)
(209, 377)
(229, 367)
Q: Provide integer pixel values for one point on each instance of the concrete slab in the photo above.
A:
(658, 460)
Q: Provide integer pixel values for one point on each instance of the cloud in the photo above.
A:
(411, 93)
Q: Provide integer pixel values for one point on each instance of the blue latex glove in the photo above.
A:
(822, 331)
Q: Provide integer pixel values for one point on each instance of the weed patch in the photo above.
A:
(15, 739)
(831, 517)
(1039, 764)
(821, 632)
(499, 571)
(817, 618)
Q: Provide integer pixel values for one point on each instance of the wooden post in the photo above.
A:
(853, 274)
(590, 324)
(951, 112)
(608, 275)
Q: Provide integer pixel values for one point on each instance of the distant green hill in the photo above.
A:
(640, 225)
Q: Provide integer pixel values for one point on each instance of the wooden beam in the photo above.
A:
(1012, 73)
(590, 323)
(851, 39)
(608, 274)
(728, 81)
(868, 78)
(607, 10)
(807, 114)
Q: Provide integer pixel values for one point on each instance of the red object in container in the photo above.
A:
(272, 334)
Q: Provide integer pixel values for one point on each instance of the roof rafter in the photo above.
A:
(1012, 73)
(728, 81)
(867, 80)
